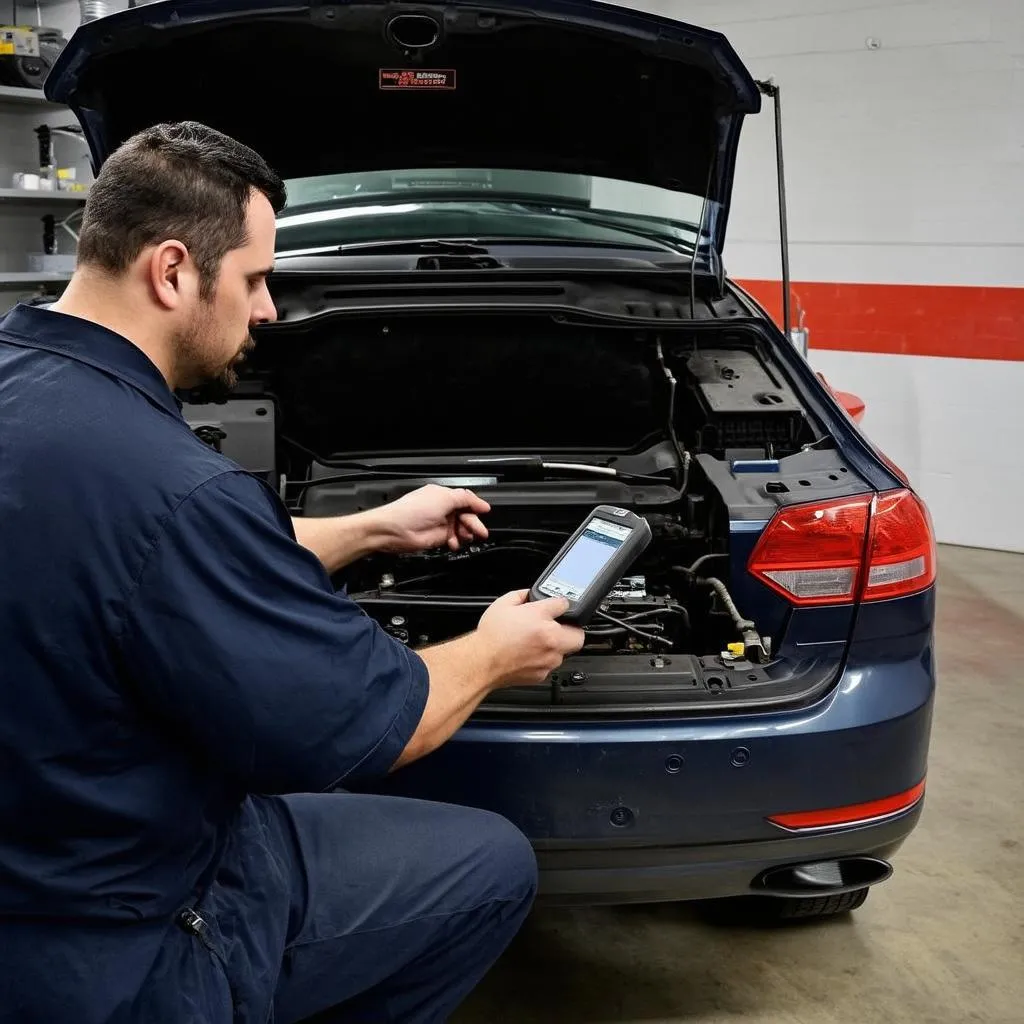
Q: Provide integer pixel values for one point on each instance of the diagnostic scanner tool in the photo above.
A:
(592, 561)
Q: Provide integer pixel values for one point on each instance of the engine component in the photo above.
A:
(670, 425)
(745, 406)
(440, 594)
(211, 435)
(243, 429)
(753, 646)
(396, 627)
(629, 588)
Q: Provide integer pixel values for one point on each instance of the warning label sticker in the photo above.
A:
(406, 78)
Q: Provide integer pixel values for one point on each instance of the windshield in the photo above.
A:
(484, 204)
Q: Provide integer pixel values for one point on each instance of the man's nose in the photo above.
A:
(264, 312)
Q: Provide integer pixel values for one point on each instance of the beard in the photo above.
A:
(228, 375)
(195, 347)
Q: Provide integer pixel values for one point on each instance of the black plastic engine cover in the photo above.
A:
(745, 405)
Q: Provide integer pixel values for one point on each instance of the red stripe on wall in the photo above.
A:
(904, 319)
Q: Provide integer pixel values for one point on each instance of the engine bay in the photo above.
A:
(435, 595)
(545, 421)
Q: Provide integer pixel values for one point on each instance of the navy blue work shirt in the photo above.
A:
(166, 647)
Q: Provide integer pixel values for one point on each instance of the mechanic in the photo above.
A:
(184, 698)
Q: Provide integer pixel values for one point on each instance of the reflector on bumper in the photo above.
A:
(852, 814)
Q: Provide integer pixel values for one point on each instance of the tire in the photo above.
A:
(766, 911)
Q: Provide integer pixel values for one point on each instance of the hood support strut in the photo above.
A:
(770, 89)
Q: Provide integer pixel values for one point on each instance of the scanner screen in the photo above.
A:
(582, 563)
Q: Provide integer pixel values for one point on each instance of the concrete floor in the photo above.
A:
(942, 941)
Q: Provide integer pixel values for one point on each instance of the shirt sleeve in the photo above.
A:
(235, 637)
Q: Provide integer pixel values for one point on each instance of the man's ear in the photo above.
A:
(170, 270)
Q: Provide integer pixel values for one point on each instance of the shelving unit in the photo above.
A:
(30, 277)
(22, 210)
(12, 95)
(14, 197)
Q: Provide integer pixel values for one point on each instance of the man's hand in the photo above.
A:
(426, 518)
(431, 517)
(523, 639)
(516, 642)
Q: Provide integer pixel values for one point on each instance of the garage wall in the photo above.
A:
(905, 170)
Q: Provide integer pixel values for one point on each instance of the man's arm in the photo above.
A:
(429, 517)
(515, 643)
(340, 540)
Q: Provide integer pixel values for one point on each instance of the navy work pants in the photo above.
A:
(359, 908)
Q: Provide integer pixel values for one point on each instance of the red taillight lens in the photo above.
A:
(836, 551)
(812, 554)
(901, 556)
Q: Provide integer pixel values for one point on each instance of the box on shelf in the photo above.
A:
(65, 181)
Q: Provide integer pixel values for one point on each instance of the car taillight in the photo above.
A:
(867, 546)
(901, 558)
(812, 554)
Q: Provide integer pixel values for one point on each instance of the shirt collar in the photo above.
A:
(89, 343)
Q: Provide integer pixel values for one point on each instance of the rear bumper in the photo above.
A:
(678, 808)
(604, 874)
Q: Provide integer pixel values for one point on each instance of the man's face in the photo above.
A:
(216, 337)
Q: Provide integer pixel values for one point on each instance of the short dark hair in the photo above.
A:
(184, 181)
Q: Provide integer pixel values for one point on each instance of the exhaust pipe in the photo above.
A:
(822, 878)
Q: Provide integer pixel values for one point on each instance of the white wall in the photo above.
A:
(917, 144)
(904, 165)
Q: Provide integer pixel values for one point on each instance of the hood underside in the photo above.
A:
(562, 85)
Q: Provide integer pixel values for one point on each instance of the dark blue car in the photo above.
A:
(502, 266)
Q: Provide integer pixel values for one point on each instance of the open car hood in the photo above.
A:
(565, 86)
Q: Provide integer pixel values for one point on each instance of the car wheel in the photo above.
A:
(769, 910)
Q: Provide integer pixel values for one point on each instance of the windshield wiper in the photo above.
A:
(625, 223)
(430, 253)
(405, 247)
(669, 241)
(515, 466)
